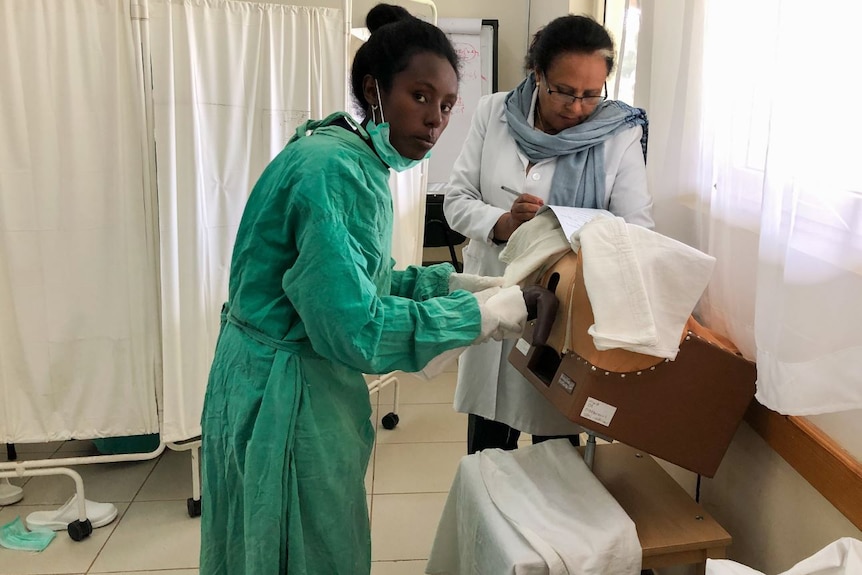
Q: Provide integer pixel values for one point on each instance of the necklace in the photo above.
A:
(537, 121)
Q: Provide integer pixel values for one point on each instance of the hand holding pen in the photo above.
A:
(523, 209)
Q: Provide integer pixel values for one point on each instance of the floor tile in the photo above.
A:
(403, 526)
(369, 473)
(29, 452)
(171, 480)
(23, 454)
(429, 423)
(412, 389)
(18, 482)
(417, 467)
(48, 447)
(398, 567)
(160, 572)
(102, 482)
(152, 535)
(63, 555)
(78, 446)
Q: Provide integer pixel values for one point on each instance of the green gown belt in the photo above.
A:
(302, 348)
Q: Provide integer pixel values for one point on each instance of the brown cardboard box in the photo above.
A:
(684, 411)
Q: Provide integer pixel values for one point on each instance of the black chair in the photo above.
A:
(437, 231)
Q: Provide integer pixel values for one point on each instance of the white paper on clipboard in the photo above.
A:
(573, 219)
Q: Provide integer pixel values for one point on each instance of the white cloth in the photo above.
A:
(534, 510)
(487, 384)
(841, 557)
(642, 286)
(504, 314)
(473, 283)
(439, 364)
(534, 244)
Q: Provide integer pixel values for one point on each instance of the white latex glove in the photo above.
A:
(473, 283)
(437, 365)
(504, 313)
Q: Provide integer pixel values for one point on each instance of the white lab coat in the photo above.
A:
(487, 384)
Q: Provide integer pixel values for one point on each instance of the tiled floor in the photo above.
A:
(408, 479)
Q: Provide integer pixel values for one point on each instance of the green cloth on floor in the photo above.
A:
(14, 535)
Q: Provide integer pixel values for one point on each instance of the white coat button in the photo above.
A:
(536, 176)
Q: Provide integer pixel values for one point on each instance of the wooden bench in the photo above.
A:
(672, 528)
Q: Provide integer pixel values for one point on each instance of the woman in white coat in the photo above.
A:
(554, 139)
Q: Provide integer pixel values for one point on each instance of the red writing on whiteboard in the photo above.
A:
(466, 52)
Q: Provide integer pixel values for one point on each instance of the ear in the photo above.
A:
(369, 92)
(538, 77)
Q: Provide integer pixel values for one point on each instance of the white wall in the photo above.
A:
(775, 517)
(518, 20)
(512, 15)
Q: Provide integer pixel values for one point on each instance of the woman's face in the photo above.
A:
(569, 74)
(419, 103)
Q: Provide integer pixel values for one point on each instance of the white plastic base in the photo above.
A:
(9, 493)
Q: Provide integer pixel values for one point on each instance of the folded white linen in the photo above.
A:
(841, 557)
(537, 509)
(621, 306)
(642, 286)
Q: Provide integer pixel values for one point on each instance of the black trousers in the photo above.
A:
(486, 434)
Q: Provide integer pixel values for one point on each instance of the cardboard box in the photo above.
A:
(684, 411)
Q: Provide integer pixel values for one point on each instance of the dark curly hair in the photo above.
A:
(396, 37)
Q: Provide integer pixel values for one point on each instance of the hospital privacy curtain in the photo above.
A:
(754, 158)
(78, 292)
(231, 83)
(80, 278)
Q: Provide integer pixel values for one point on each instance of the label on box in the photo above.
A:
(598, 411)
(567, 383)
(522, 346)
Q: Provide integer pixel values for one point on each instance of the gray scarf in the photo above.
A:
(580, 149)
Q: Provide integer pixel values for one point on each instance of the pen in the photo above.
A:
(510, 190)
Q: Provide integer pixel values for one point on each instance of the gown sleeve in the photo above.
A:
(330, 285)
(421, 283)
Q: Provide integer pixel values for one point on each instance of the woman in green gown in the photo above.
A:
(313, 304)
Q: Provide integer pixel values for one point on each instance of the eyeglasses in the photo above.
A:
(566, 99)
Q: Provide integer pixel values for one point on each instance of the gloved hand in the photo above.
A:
(504, 313)
(473, 283)
(542, 306)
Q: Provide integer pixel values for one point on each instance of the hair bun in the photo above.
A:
(384, 14)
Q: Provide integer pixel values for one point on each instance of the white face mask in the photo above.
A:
(379, 134)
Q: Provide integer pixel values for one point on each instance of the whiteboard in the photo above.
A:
(475, 42)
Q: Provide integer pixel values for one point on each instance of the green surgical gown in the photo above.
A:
(313, 304)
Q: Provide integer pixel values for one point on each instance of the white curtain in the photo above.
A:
(78, 297)
(408, 206)
(754, 158)
(231, 83)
